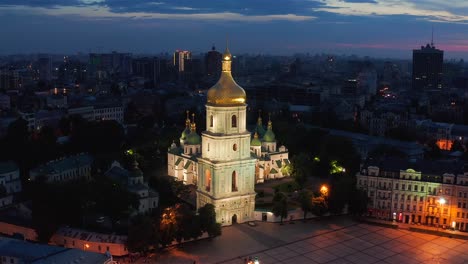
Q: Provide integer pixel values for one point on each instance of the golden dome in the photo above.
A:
(226, 92)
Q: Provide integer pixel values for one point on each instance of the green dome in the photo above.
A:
(193, 138)
(259, 128)
(255, 141)
(185, 133)
(269, 136)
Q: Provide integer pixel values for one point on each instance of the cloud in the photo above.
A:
(433, 10)
(104, 12)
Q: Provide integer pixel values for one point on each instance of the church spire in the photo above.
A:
(193, 126)
(227, 59)
(187, 121)
(270, 124)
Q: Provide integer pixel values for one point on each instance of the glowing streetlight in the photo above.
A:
(324, 190)
(442, 201)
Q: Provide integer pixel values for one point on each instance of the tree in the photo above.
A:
(280, 206)
(208, 223)
(319, 206)
(358, 202)
(305, 198)
(142, 234)
(188, 224)
(168, 226)
(300, 168)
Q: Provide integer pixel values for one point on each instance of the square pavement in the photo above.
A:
(332, 241)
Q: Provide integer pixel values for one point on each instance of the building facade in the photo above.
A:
(427, 68)
(65, 169)
(225, 162)
(429, 193)
(133, 181)
(10, 182)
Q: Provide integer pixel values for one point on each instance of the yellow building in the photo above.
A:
(424, 192)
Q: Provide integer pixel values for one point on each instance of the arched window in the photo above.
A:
(234, 182)
(211, 120)
(234, 121)
(207, 180)
(234, 147)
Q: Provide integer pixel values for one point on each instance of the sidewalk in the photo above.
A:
(439, 231)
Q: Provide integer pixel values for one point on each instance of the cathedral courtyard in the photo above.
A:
(336, 240)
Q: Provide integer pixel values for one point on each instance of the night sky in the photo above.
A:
(380, 28)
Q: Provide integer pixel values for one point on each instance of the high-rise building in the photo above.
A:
(213, 62)
(113, 63)
(45, 68)
(427, 68)
(148, 68)
(180, 58)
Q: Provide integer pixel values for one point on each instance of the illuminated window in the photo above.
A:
(234, 182)
(234, 121)
(207, 180)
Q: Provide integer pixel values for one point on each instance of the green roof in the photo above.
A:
(57, 166)
(193, 139)
(178, 161)
(273, 171)
(184, 134)
(269, 136)
(255, 142)
(278, 163)
(7, 167)
(187, 164)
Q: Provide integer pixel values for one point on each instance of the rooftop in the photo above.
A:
(7, 167)
(37, 253)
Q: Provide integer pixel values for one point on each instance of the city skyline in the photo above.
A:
(365, 28)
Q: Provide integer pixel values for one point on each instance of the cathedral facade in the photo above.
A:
(226, 162)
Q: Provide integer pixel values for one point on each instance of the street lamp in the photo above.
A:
(442, 201)
(324, 190)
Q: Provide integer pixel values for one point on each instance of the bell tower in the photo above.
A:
(226, 168)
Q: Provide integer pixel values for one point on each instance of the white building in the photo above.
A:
(9, 181)
(221, 162)
(65, 169)
(134, 182)
(271, 160)
(109, 112)
(87, 112)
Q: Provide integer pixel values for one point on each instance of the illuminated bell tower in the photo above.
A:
(226, 168)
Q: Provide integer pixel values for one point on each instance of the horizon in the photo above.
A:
(375, 28)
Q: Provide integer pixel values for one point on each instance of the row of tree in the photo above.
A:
(175, 224)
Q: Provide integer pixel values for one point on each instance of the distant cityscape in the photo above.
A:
(118, 155)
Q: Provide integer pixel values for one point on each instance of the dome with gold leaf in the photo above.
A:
(226, 92)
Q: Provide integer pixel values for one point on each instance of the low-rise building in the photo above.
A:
(114, 245)
(424, 192)
(109, 112)
(134, 182)
(18, 251)
(64, 169)
(10, 182)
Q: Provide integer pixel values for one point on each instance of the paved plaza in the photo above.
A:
(337, 240)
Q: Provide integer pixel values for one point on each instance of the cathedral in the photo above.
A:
(226, 161)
